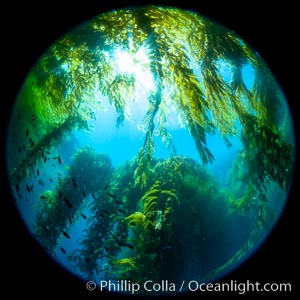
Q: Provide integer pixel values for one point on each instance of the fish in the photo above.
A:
(65, 234)
(58, 159)
(121, 211)
(62, 250)
(119, 202)
(121, 244)
(43, 197)
(59, 195)
(41, 182)
(83, 216)
(70, 220)
(130, 246)
(48, 152)
(111, 195)
(93, 195)
(105, 211)
(74, 182)
(19, 149)
(27, 188)
(45, 159)
(19, 195)
(106, 186)
(38, 172)
(83, 193)
(50, 179)
(68, 202)
(33, 117)
(27, 132)
(31, 142)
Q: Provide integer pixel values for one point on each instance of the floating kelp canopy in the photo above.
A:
(180, 68)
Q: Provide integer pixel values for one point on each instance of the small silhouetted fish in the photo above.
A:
(62, 250)
(121, 211)
(68, 202)
(59, 159)
(83, 193)
(121, 244)
(111, 195)
(119, 202)
(43, 197)
(83, 216)
(66, 235)
(50, 179)
(74, 182)
(93, 195)
(70, 220)
(19, 195)
(130, 246)
(27, 188)
(19, 149)
(38, 172)
(41, 182)
(106, 186)
(102, 216)
(105, 211)
(45, 159)
(106, 249)
(59, 195)
(33, 117)
(27, 132)
(31, 142)
(48, 152)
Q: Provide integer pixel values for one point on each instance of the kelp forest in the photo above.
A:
(140, 218)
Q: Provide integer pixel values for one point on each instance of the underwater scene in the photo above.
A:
(150, 143)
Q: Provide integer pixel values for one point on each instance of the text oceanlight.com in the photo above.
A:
(187, 286)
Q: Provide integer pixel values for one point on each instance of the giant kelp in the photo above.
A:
(186, 57)
(146, 205)
(56, 208)
(133, 235)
